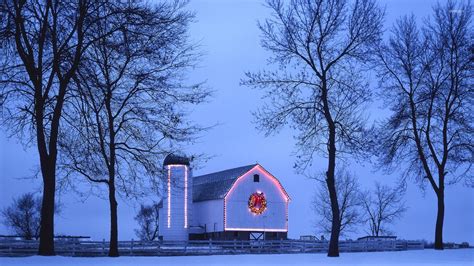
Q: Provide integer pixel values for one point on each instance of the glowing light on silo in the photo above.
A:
(169, 196)
(185, 196)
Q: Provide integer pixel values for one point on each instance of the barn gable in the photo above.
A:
(217, 185)
(238, 215)
(258, 167)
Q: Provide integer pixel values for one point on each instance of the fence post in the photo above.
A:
(103, 246)
(131, 247)
(74, 248)
(235, 244)
(160, 243)
(210, 245)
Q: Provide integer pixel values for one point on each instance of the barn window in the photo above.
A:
(256, 178)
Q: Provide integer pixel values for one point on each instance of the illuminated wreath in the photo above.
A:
(257, 203)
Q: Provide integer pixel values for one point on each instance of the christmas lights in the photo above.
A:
(255, 229)
(169, 196)
(185, 193)
(185, 196)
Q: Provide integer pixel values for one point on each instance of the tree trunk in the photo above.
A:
(330, 180)
(439, 221)
(335, 228)
(113, 248)
(48, 157)
(377, 227)
(48, 172)
(46, 235)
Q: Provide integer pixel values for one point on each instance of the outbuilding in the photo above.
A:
(242, 203)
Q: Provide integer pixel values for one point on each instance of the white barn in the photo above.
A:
(241, 203)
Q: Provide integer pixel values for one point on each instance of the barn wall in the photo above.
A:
(209, 214)
(239, 217)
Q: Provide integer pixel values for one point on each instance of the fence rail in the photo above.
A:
(201, 247)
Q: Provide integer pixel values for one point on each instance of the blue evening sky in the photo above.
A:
(228, 35)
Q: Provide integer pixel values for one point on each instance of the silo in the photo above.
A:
(177, 201)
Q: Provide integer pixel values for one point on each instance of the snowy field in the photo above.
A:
(415, 257)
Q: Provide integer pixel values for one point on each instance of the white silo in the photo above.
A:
(177, 201)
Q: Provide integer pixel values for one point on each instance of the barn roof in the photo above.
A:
(216, 185)
(176, 159)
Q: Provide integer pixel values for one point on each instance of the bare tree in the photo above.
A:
(427, 81)
(382, 207)
(148, 222)
(347, 189)
(318, 87)
(129, 106)
(23, 216)
(41, 45)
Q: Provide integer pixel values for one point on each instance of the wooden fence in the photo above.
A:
(201, 247)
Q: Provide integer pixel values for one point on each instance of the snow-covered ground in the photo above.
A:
(415, 257)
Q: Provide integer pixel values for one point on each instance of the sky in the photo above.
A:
(228, 36)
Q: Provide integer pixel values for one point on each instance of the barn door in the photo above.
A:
(255, 236)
